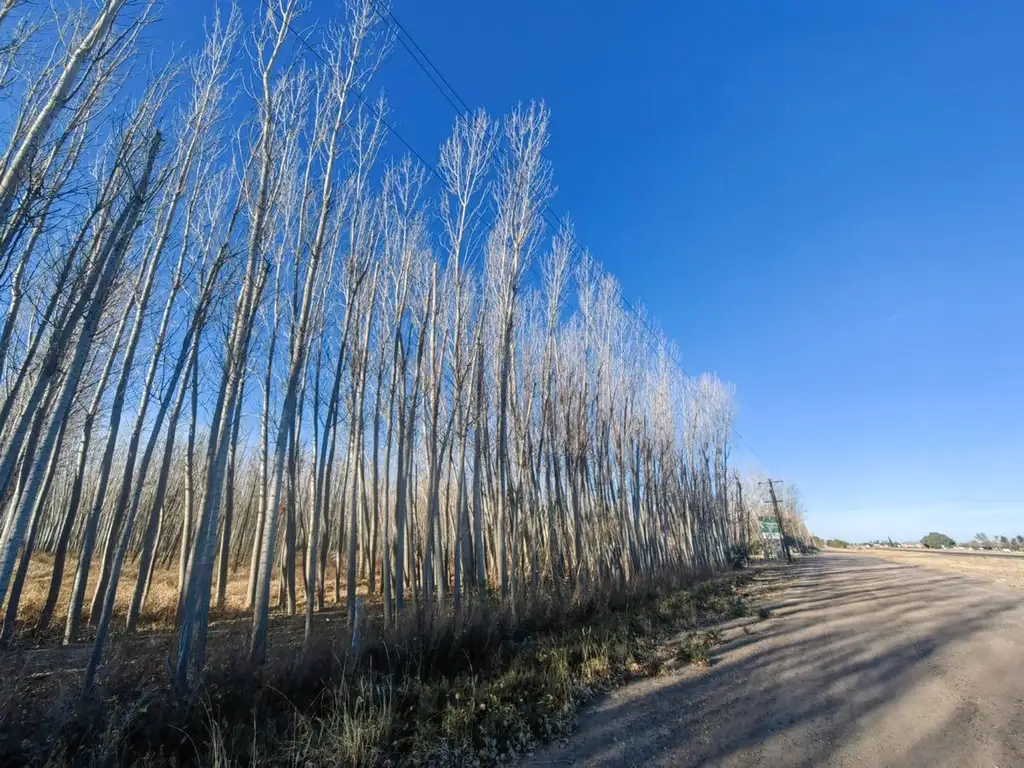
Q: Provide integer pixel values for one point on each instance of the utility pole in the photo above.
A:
(741, 514)
(778, 518)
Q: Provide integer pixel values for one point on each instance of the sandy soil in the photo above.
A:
(863, 662)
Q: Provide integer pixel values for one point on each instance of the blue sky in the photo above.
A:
(821, 202)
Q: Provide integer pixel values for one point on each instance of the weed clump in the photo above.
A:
(695, 648)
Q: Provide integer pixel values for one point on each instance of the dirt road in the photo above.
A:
(863, 662)
(1007, 570)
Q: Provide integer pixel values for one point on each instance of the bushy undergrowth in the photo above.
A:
(434, 690)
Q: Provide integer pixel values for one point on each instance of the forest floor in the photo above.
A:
(42, 656)
(864, 660)
(161, 603)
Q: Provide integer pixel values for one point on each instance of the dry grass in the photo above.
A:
(1008, 571)
(432, 691)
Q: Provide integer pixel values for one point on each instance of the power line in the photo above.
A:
(451, 96)
(357, 93)
(434, 74)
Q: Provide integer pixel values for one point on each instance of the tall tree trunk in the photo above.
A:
(64, 537)
(229, 505)
(18, 166)
(11, 615)
(118, 245)
(188, 516)
(147, 558)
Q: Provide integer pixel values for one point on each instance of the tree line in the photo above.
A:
(986, 542)
(242, 335)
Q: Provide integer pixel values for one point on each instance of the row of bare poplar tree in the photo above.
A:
(241, 337)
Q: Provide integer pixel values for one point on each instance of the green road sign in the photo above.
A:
(770, 527)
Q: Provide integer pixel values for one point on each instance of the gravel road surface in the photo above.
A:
(863, 662)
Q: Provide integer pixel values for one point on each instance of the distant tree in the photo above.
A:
(937, 541)
(837, 544)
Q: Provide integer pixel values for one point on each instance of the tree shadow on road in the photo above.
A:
(846, 639)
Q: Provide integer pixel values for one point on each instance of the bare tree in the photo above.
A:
(523, 188)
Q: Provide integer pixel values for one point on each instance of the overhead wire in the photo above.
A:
(550, 217)
(451, 95)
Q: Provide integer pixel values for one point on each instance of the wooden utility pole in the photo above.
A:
(778, 518)
(741, 514)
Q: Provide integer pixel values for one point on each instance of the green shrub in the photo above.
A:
(938, 541)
